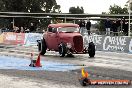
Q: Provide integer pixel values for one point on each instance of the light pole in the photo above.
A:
(13, 22)
(129, 10)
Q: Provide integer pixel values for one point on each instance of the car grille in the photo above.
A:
(78, 43)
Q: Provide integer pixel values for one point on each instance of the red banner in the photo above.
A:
(20, 37)
(14, 38)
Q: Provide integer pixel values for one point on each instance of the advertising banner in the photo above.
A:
(110, 43)
(9, 38)
(1, 38)
(31, 38)
(14, 38)
(20, 37)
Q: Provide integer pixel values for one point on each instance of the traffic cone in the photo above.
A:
(38, 64)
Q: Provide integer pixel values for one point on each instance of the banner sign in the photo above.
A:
(1, 38)
(20, 37)
(102, 43)
(13, 38)
(109, 43)
(31, 38)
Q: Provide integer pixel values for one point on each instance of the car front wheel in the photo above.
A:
(91, 49)
(42, 47)
(62, 50)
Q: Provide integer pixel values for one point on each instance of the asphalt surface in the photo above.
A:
(105, 65)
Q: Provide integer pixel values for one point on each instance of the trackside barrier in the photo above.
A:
(13, 38)
(110, 43)
(20, 38)
(1, 38)
(31, 38)
(103, 43)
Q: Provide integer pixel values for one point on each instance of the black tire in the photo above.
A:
(91, 49)
(69, 55)
(43, 47)
(39, 45)
(62, 50)
(85, 82)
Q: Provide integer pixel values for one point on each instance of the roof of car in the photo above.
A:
(63, 25)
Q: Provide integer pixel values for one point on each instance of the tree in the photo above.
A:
(43, 6)
(56, 9)
(76, 10)
(100, 24)
(115, 9)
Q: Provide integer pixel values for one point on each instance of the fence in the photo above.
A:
(20, 38)
(102, 42)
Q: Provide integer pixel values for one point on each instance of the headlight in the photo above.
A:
(69, 45)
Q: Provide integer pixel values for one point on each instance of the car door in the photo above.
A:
(52, 39)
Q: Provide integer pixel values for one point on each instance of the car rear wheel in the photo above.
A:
(42, 47)
(91, 49)
(62, 50)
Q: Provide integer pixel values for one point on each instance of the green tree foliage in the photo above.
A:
(56, 9)
(115, 9)
(34, 6)
(29, 5)
(76, 10)
(13, 5)
(100, 24)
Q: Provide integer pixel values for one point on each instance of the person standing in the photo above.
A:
(114, 28)
(125, 28)
(32, 28)
(82, 23)
(82, 26)
(107, 26)
(118, 21)
(88, 26)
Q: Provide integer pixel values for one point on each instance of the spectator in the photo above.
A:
(16, 29)
(82, 23)
(118, 24)
(114, 28)
(32, 28)
(82, 26)
(27, 30)
(125, 28)
(107, 26)
(88, 25)
(22, 30)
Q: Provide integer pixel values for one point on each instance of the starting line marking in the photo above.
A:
(23, 64)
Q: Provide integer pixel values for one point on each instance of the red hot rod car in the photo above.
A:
(64, 38)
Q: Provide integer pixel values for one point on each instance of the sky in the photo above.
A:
(90, 6)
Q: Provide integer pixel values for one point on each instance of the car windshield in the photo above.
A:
(68, 29)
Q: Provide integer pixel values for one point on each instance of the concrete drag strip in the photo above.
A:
(16, 82)
(46, 79)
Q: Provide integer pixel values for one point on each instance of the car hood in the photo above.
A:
(69, 35)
